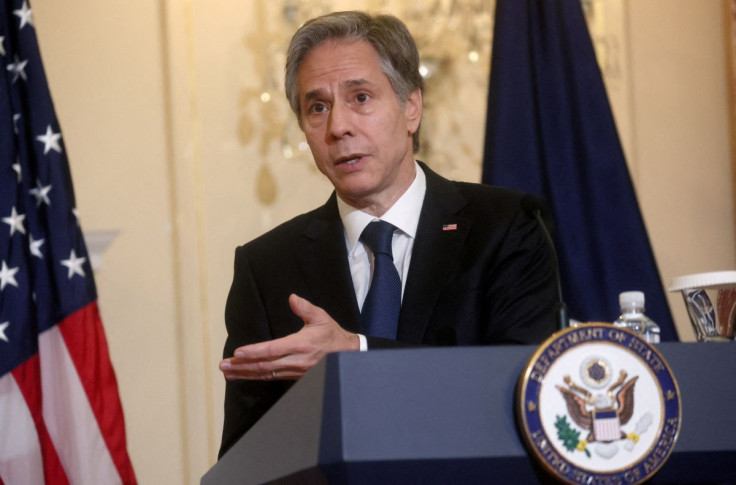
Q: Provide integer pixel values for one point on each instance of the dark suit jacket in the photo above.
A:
(489, 281)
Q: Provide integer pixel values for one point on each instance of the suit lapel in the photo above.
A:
(435, 256)
(323, 263)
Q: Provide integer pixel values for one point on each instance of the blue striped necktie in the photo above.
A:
(380, 313)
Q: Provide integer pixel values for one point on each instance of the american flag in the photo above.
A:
(61, 420)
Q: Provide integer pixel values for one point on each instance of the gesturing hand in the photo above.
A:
(292, 356)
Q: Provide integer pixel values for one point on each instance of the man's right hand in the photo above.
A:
(292, 356)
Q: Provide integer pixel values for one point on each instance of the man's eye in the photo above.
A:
(317, 108)
(361, 98)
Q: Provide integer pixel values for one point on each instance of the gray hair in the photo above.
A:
(397, 52)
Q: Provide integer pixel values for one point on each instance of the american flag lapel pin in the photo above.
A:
(449, 227)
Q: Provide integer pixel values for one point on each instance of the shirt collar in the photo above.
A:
(404, 214)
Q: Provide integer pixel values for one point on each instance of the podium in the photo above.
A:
(447, 415)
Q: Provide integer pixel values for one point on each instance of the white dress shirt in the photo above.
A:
(404, 215)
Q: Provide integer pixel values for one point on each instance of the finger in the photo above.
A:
(280, 373)
(255, 352)
(298, 363)
(299, 305)
(291, 354)
(308, 312)
(269, 350)
(263, 377)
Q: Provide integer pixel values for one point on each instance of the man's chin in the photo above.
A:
(357, 195)
(354, 185)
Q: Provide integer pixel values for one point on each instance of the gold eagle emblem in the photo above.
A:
(585, 408)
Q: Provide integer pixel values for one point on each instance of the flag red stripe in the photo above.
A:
(87, 346)
(28, 377)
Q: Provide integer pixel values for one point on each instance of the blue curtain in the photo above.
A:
(551, 132)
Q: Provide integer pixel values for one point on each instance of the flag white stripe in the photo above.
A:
(69, 417)
(607, 429)
(20, 450)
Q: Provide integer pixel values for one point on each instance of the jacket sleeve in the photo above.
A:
(521, 296)
(246, 322)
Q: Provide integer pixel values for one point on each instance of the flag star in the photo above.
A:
(15, 221)
(41, 193)
(74, 264)
(2, 45)
(16, 167)
(7, 276)
(76, 214)
(18, 69)
(50, 140)
(16, 119)
(3, 326)
(35, 247)
(25, 14)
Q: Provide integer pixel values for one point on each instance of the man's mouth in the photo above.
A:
(348, 160)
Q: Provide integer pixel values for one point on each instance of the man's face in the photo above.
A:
(359, 133)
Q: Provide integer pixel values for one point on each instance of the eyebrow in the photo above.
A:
(351, 83)
(356, 82)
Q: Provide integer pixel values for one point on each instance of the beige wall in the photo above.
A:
(156, 103)
(681, 148)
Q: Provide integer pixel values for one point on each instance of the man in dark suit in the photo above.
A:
(466, 265)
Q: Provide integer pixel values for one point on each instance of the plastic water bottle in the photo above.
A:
(633, 318)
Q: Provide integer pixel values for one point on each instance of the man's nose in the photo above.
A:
(340, 121)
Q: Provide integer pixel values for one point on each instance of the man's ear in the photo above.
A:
(413, 110)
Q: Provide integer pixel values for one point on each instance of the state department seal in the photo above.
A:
(598, 404)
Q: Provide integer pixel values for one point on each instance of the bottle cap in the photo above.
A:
(629, 299)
